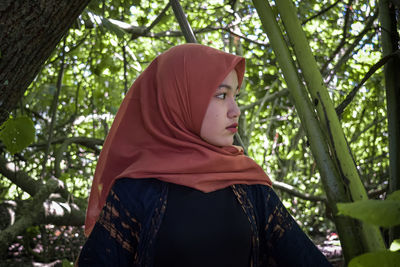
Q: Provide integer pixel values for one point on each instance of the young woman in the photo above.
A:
(170, 189)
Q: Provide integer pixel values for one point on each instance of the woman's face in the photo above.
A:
(221, 119)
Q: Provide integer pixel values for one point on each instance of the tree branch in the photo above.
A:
(294, 192)
(372, 70)
(350, 49)
(61, 213)
(32, 186)
(60, 151)
(91, 143)
(291, 190)
(154, 23)
(272, 97)
(53, 109)
(137, 31)
(227, 29)
(30, 215)
(320, 12)
(20, 178)
(343, 39)
(369, 126)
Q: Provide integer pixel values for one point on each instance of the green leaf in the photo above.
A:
(394, 196)
(384, 213)
(384, 258)
(67, 263)
(395, 245)
(17, 134)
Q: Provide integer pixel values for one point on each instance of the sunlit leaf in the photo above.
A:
(381, 258)
(384, 213)
(395, 245)
(17, 134)
(67, 263)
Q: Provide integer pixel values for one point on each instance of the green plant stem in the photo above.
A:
(335, 187)
(327, 115)
(183, 22)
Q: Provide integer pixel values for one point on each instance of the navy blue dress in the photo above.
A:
(142, 217)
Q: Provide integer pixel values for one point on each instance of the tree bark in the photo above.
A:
(29, 32)
(390, 44)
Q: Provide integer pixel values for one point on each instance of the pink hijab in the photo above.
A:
(156, 132)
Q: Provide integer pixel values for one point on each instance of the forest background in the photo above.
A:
(65, 67)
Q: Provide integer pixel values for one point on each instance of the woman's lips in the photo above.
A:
(232, 128)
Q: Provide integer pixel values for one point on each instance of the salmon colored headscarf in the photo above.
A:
(156, 132)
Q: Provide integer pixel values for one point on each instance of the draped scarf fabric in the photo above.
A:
(156, 132)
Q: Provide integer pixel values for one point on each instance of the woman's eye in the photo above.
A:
(221, 96)
(237, 96)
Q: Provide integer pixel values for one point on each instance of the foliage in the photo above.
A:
(112, 43)
(384, 213)
(381, 258)
(17, 133)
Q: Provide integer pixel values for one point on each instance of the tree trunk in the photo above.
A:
(29, 32)
(353, 236)
(341, 153)
(390, 43)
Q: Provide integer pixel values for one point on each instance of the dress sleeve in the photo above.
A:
(115, 236)
(282, 242)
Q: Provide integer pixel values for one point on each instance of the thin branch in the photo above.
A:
(291, 190)
(343, 39)
(294, 192)
(350, 49)
(154, 23)
(35, 114)
(88, 142)
(369, 126)
(227, 29)
(358, 125)
(60, 151)
(320, 12)
(269, 98)
(53, 110)
(260, 107)
(372, 70)
(158, 19)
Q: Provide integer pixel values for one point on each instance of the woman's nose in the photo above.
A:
(234, 110)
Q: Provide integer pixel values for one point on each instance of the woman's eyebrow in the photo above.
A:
(227, 86)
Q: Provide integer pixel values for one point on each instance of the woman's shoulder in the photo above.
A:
(138, 194)
(262, 196)
(260, 191)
